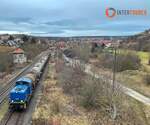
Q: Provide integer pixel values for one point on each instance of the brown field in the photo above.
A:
(58, 108)
(4, 49)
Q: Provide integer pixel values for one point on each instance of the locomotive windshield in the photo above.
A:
(18, 89)
(22, 83)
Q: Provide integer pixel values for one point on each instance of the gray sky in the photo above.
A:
(71, 17)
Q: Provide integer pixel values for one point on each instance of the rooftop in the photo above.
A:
(18, 51)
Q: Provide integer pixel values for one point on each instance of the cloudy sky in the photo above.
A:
(71, 17)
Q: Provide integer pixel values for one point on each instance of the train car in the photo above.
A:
(21, 93)
(32, 76)
(37, 71)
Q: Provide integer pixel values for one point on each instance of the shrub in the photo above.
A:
(125, 61)
(88, 91)
(128, 61)
(6, 62)
(93, 94)
(96, 95)
(106, 60)
(33, 49)
(71, 80)
(147, 79)
(93, 55)
(146, 47)
(82, 52)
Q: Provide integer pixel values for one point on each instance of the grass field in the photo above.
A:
(144, 56)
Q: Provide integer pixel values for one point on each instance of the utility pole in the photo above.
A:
(115, 63)
(114, 67)
(114, 109)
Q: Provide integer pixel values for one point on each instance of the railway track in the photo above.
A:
(5, 90)
(13, 117)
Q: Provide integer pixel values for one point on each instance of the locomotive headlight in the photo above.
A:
(12, 100)
(21, 100)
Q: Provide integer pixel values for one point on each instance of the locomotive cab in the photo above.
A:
(20, 94)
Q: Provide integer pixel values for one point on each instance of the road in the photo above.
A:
(128, 91)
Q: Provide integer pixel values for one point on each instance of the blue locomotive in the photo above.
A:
(22, 92)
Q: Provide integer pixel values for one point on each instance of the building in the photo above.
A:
(19, 56)
(105, 43)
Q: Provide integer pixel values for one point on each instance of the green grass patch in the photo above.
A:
(144, 56)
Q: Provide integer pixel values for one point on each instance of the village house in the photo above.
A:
(19, 56)
(105, 43)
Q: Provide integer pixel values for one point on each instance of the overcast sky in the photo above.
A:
(71, 17)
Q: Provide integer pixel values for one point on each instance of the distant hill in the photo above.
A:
(84, 38)
(139, 42)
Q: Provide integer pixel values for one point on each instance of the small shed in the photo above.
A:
(19, 56)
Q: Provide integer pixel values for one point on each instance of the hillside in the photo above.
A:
(139, 42)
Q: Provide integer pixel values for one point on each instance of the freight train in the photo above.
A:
(23, 90)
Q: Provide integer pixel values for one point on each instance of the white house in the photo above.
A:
(19, 56)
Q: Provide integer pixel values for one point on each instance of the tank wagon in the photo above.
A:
(23, 90)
